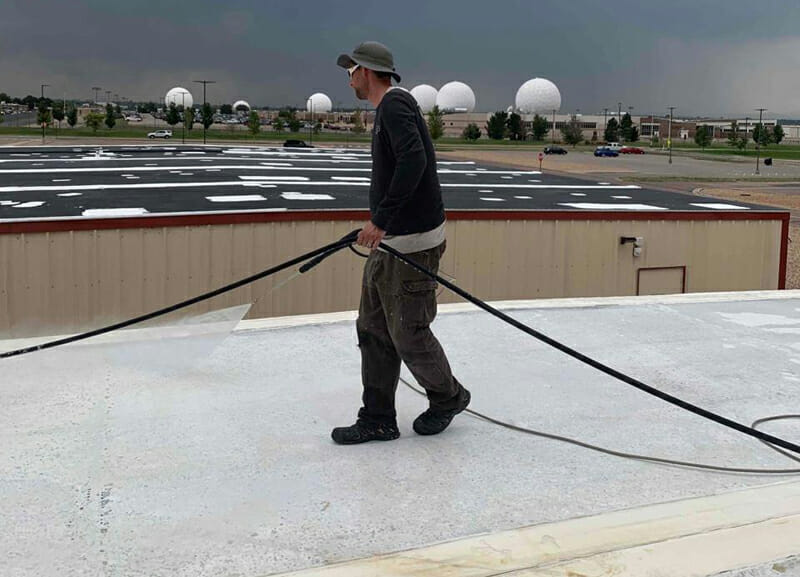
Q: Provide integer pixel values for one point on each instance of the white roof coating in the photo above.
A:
(241, 104)
(455, 97)
(167, 459)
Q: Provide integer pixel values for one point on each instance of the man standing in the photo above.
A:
(398, 303)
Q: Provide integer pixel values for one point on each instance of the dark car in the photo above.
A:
(297, 144)
(554, 150)
(605, 151)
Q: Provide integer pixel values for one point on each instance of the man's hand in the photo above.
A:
(370, 236)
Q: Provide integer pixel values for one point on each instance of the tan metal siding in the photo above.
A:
(66, 281)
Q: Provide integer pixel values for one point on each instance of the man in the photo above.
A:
(398, 303)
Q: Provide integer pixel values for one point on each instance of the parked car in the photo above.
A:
(631, 150)
(160, 134)
(605, 151)
(297, 144)
(613, 145)
(554, 150)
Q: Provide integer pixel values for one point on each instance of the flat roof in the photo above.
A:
(209, 453)
(134, 181)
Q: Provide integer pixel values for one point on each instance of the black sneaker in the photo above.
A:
(362, 431)
(433, 422)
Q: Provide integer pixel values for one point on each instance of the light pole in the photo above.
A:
(746, 130)
(311, 131)
(605, 122)
(669, 134)
(760, 136)
(619, 121)
(41, 102)
(553, 134)
(96, 90)
(204, 82)
(108, 97)
(183, 105)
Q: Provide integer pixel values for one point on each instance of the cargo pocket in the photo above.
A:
(418, 303)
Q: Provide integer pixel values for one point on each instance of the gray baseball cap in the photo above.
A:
(372, 55)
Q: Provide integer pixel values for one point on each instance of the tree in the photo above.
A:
(277, 124)
(226, 109)
(539, 127)
(471, 132)
(188, 118)
(626, 127)
(110, 120)
(572, 132)
(318, 127)
(594, 137)
(734, 139)
(435, 123)
(611, 133)
(43, 116)
(173, 117)
(516, 131)
(253, 122)
(777, 134)
(93, 120)
(295, 125)
(58, 112)
(358, 124)
(496, 126)
(206, 115)
(702, 135)
(634, 134)
(761, 134)
(72, 116)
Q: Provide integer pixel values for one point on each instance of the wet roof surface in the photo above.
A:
(97, 182)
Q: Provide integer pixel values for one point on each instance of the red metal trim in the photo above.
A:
(784, 253)
(683, 277)
(204, 219)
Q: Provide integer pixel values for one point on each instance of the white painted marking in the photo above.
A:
(235, 198)
(471, 174)
(576, 194)
(523, 197)
(100, 212)
(70, 194)
(31, 204)
(534, 180)
(492, 199)
(151, 164)
(276, 164)
(484, 171)
(622, 196)
(213, 170)
(62, 179)
(719, 206)
(506, 177)
(8, 202)
(605, 183)
(281, 178)
(187, 174)
(131, 178)
(485, 190)
(303, 196)
(611, 206)
(351, 178)
(192, 152)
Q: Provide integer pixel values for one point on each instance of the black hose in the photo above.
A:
(323, 251)
(760, 435)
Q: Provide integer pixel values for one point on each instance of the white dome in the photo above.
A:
(425, 95)
(180, 96)
(321, 103)
(538, 96)
(456, 97)
(241, 103)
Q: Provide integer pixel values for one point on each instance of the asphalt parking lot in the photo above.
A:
(97, 182)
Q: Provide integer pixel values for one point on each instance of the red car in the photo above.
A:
(631, 150)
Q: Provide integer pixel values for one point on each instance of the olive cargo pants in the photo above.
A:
(398, 304)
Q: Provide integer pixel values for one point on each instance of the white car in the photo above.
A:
(160, 134)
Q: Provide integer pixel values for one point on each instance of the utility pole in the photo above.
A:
(40, 105)
(746, 130)
(619, 121)
(204, 82)
(553, 134)
(760, 136)
(605, 122)
(108, 97)
(669, 133)
(96, 90)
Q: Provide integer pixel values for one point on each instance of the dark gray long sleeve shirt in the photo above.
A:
(404, 193)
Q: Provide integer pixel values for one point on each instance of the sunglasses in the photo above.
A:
(352, 70)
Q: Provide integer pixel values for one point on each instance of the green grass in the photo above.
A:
(782, 151)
